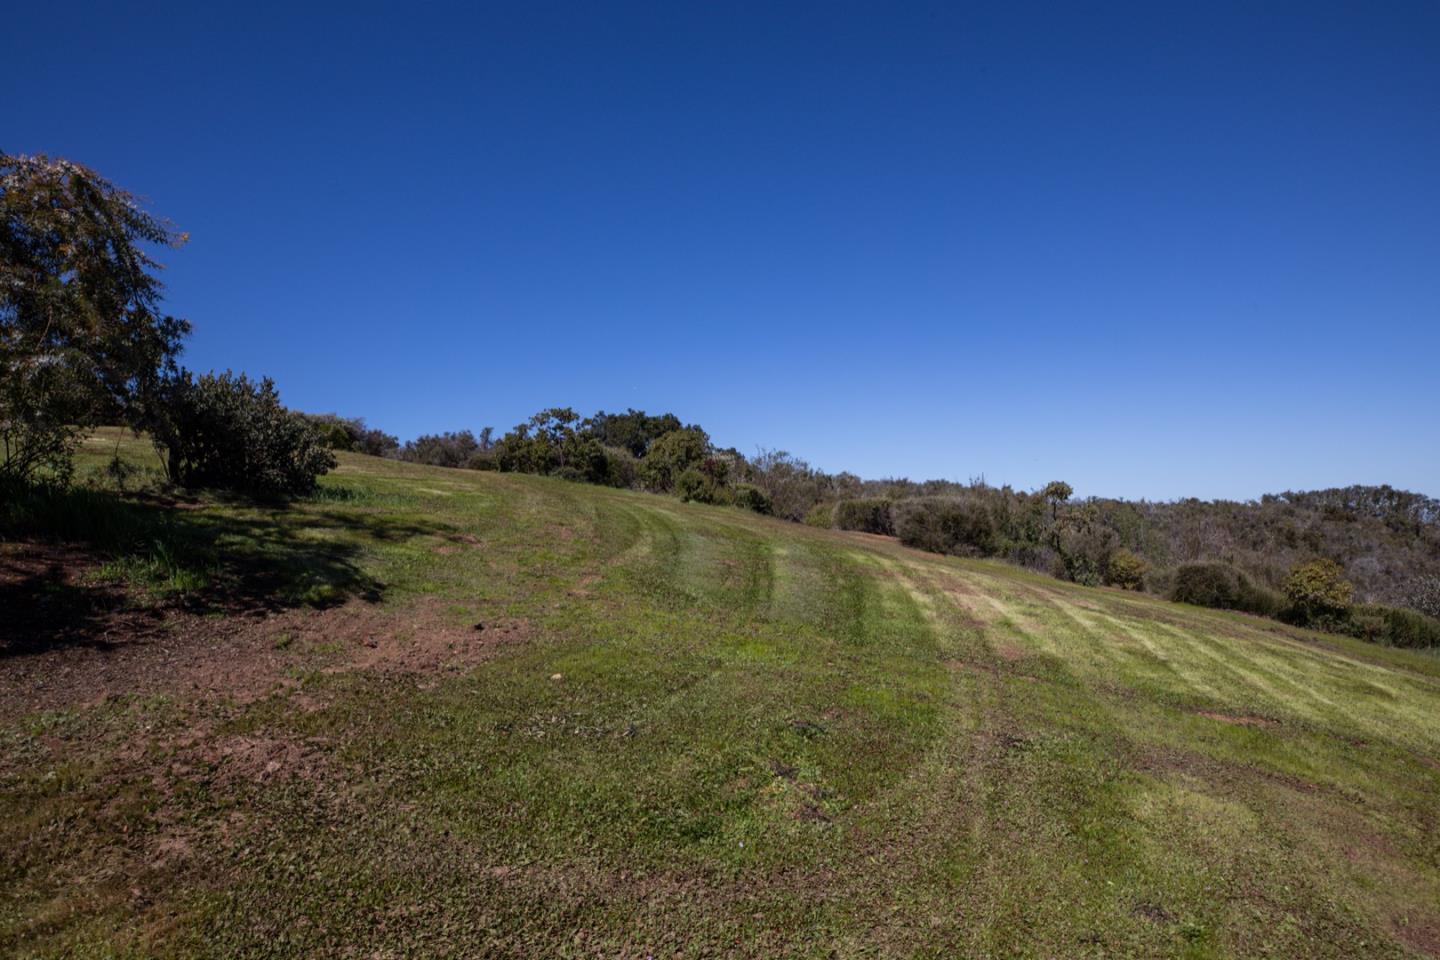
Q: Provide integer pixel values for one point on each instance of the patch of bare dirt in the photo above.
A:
(1421, 934)
(234, 760)
(1154, 912)
(1220, 774)
(1009, 652)
(65, 641)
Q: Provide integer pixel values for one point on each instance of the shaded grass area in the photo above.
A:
(725, 736)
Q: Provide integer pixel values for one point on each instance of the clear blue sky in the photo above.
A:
(1152, 249)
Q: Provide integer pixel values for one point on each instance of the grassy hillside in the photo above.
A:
(546, 719)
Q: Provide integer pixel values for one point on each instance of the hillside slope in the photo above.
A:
(547, 719)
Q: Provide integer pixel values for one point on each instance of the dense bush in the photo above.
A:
(695, 485)
(868, 515)
(821, 515)
(229, 432)
(1082, 541)
(622, 469)
(1393, 626)
(633, 430)
(752, 498)
(352, 435)
(1318, 593)
(672, 455)
(793, 486)
(1125, 570)
(441, 449)
(1221, 586)
(955, 525)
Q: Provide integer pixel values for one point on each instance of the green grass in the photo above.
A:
(765, 740)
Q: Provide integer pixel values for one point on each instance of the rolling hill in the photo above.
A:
(436, 712)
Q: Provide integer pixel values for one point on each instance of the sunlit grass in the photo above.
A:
(720, 735)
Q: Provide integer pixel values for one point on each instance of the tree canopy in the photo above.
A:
(82, 335)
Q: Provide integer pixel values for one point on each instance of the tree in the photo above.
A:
(82, 337)
(449, 449)
(671, 455)
(1424, 595)
(1318, 591)
(633, 430)
(1055, 493)
(793, 486)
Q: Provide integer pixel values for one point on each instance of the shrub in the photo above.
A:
(622, 469)
(441, 449)
(695, 485)
(41, 405)
(955, 525)
(1222, 587)
(821, 515)
(231, 433)
(868, 515)
(672, 455)
(483, 460)
(1125, 570)
(1393, 626)
(793, 486)
(586, 461)
(752, 498)
(1318, 593)
(352, 435)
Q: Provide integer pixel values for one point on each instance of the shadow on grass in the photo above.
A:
(91, 565)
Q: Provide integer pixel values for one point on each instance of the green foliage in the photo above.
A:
(621, 468)
(441, 449)
(352, 435)
(1221, 586)
(793, 486)
(868, 515)
(41, 409)
(1055, 493)
(1125, 570)
(671, 455)
(228, 432)
(81, 336)
(699, 486)
(1393, 626)
(1318, 592)
(1083, 542)
(821, 515)
(632, 430)
(752, 498)
(956, 525)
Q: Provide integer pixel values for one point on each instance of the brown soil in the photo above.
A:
(67, 642)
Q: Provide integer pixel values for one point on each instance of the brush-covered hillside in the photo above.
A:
(432, 712)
